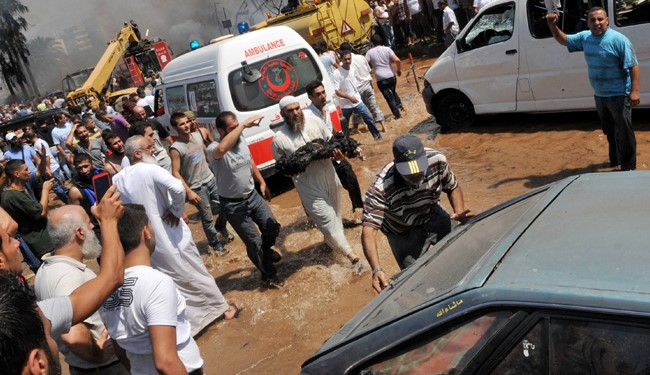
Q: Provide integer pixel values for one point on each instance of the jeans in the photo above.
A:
(244, 216)
(210, 205)
(368, 98)
(387, 88)
(409, 246)
(616, 118)
(362, 110)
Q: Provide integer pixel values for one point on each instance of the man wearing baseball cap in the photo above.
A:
(402, 202)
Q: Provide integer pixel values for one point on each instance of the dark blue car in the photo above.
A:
(556, 281)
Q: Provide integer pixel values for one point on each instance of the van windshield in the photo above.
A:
(282, 75)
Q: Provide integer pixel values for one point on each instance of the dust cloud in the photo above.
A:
(81, 29)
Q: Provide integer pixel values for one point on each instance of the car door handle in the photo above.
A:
(511, 52)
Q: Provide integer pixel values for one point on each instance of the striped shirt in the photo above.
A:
(609, 59)
(393, 206)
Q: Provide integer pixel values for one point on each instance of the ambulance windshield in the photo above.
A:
(281, 75)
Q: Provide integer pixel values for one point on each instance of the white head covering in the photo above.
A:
(289, 99)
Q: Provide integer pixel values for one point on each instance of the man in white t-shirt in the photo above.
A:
(29, 345)
(146, 315)
(449, 23)
(86, 346)
(364, 83)
(346, 88)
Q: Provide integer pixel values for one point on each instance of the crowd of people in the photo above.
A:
(153, 293)
(403, 23)
(144, 320)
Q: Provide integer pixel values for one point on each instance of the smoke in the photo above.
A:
(93, 23)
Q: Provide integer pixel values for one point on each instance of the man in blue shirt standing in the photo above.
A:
(614, 75)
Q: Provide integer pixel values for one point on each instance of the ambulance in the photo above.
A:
(246, 74)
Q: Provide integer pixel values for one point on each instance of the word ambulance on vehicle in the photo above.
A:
(246, 74)
(506, 60)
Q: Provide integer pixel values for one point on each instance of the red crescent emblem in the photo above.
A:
(278, 88)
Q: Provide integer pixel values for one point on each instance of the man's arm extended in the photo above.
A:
(559, 35)
(229, 141)
(369, 244)
(176, 172)
(89, 297)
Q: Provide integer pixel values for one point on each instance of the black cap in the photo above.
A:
(409, 155)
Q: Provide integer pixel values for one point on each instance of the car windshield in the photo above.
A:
(282, 75)
(445, 270)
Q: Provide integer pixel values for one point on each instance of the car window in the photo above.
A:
(632, 12)
(282, 75)
(443, 272)
(598, 348)
(175, 99)
(580, 347)
(573, 16)
(527, 356)
(202, 98)
(442, 354)
(493, 26)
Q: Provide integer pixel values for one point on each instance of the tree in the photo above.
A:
(49, 60)
(13, 44)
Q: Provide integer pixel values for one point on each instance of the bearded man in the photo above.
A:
(115, 145)
(176, 255)
(86, 346)
(319, 187)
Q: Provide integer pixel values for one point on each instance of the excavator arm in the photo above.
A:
(96, 83)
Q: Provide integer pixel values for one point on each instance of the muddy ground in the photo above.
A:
(501, 157)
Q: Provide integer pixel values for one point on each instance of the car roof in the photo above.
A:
(593, 236)
(31, 118)
(584, 237)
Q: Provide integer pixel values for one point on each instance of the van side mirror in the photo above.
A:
(250, 75)
(459, 45)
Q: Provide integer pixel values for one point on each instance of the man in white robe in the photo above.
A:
(319, 187)
(176, 254)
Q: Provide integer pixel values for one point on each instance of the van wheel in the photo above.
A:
(455, 112)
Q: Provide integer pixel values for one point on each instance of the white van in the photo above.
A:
(245, 74)
(506, 60)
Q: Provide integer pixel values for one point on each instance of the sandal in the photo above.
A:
(238, 310)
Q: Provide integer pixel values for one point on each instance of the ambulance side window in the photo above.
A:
(176, 99)
(202, 98)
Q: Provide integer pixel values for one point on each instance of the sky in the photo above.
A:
(178, 22)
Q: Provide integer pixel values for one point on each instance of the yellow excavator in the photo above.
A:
(335, 21)
(98, 81)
